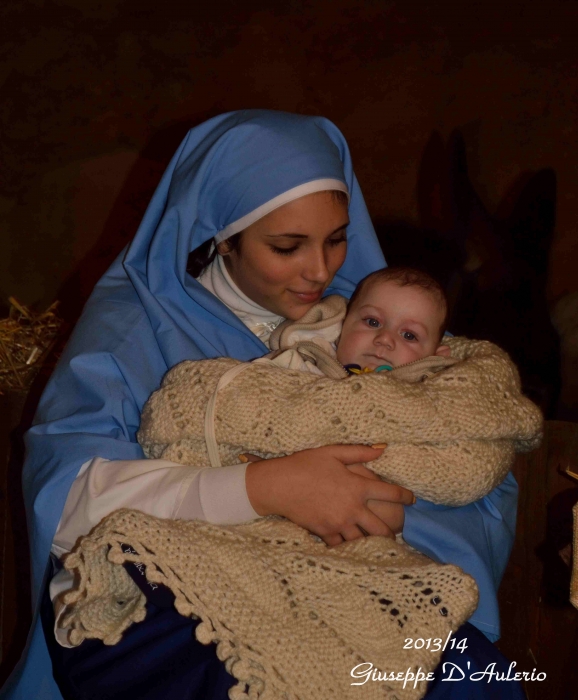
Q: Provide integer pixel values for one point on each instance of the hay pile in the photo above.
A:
(25, 339)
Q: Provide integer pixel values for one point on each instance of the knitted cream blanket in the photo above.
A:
(292, 618)
(451, 434)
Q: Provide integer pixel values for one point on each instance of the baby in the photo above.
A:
(395, 316)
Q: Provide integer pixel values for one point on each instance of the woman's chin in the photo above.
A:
(295, 311)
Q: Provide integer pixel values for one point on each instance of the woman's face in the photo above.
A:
(288, 258)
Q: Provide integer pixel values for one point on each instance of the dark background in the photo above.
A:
(97, 94)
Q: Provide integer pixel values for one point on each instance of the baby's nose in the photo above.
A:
(385, 337)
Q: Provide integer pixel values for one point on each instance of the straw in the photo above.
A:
(25, 339)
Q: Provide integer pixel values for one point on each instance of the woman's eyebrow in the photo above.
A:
(304, 235)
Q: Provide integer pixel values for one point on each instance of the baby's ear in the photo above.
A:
(444, 351)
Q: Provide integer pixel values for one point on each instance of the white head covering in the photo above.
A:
(294, 193)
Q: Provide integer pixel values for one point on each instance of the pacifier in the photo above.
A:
(356, 369)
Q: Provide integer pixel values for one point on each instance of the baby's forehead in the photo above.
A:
(380, 290)
(384, 296)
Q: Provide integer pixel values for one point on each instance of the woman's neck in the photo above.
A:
(216, 279)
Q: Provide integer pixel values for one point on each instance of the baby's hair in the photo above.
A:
(406, 277)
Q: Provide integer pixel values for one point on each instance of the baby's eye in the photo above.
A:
(406, 335)
(372, 322)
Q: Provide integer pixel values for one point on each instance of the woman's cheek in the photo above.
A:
(267, 267)
(334, 260)
(277, 273)
(340, 255)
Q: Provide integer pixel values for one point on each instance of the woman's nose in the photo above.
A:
(317, 270)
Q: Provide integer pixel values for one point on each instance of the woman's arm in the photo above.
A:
(155, 486)
(165, 489)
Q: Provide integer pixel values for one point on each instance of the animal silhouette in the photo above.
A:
(493, 267)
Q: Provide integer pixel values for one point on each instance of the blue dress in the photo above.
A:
(147, 314)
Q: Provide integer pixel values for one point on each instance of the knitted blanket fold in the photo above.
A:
(292, 618)
(452, 425)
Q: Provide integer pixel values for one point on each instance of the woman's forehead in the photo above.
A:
(289, 201)
(315, 213)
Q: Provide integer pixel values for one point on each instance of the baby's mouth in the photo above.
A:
(378, 361)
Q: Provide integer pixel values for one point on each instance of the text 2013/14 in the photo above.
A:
(436, 644)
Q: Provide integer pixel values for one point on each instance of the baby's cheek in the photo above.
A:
(348, 348)
(342, 350)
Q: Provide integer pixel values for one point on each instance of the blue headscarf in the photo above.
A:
(147, 314)
(223, 170)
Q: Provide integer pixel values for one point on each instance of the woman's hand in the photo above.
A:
(329, 492)
(392, 514)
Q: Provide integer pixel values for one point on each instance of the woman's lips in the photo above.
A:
(307, 297)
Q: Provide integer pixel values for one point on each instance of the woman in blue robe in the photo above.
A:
(147, 314)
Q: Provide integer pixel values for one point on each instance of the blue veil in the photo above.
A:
(147, 314)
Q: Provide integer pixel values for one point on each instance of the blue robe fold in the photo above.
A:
(147, 314)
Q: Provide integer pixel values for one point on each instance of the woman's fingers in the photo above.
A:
(352, 454)
(248, 457)
(385, 507)
(369, 524)
(382, 491)
(373, 525)
(391, 514)
(352, 533)
(332, 540)
(361, 470)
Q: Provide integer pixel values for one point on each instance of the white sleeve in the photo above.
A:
(156, 487)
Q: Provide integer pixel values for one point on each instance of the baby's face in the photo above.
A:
(391, 325)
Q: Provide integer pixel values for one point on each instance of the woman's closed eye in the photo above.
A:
(342, 238)
(331, 242)
(284, 251)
